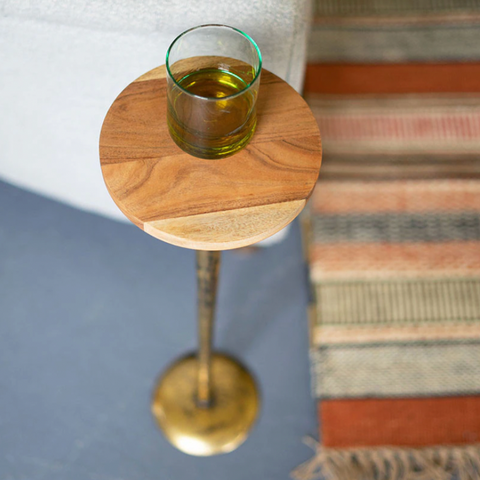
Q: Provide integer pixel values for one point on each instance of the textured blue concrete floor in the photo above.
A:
(93, 310)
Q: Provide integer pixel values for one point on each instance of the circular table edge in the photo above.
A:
(295, 206)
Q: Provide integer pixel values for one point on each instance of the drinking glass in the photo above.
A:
(213, 75)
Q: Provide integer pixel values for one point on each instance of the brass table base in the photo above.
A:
(200, 430)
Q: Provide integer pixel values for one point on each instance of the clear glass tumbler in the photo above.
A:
(213, 75)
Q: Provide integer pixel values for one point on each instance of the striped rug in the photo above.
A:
(395, 339)
(394, 240)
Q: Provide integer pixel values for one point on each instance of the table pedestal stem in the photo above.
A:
(206, 402)
(208, 265)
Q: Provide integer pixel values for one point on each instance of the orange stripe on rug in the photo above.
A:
(344, 79)
(413, 196)
(353, 259)
(412, 422)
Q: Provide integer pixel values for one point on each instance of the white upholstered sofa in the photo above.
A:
(63, 62)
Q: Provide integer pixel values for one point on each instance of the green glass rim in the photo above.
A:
(248, 37)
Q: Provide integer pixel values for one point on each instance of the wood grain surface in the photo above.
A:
(209, 204)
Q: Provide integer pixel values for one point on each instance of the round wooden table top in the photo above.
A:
(209, 204)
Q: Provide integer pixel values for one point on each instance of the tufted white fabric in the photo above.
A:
(62, 63)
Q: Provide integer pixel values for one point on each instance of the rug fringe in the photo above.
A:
(391, 463)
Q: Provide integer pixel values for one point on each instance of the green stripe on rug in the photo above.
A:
(392, 370)
(388, 7)
(397, 228)
(399, 302)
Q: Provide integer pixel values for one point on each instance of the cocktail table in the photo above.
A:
(204, 403)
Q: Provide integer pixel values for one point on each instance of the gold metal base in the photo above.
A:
(224, 424)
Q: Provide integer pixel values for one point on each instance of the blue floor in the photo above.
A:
(93, 310)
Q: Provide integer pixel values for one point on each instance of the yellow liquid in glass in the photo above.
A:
(212, 123)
